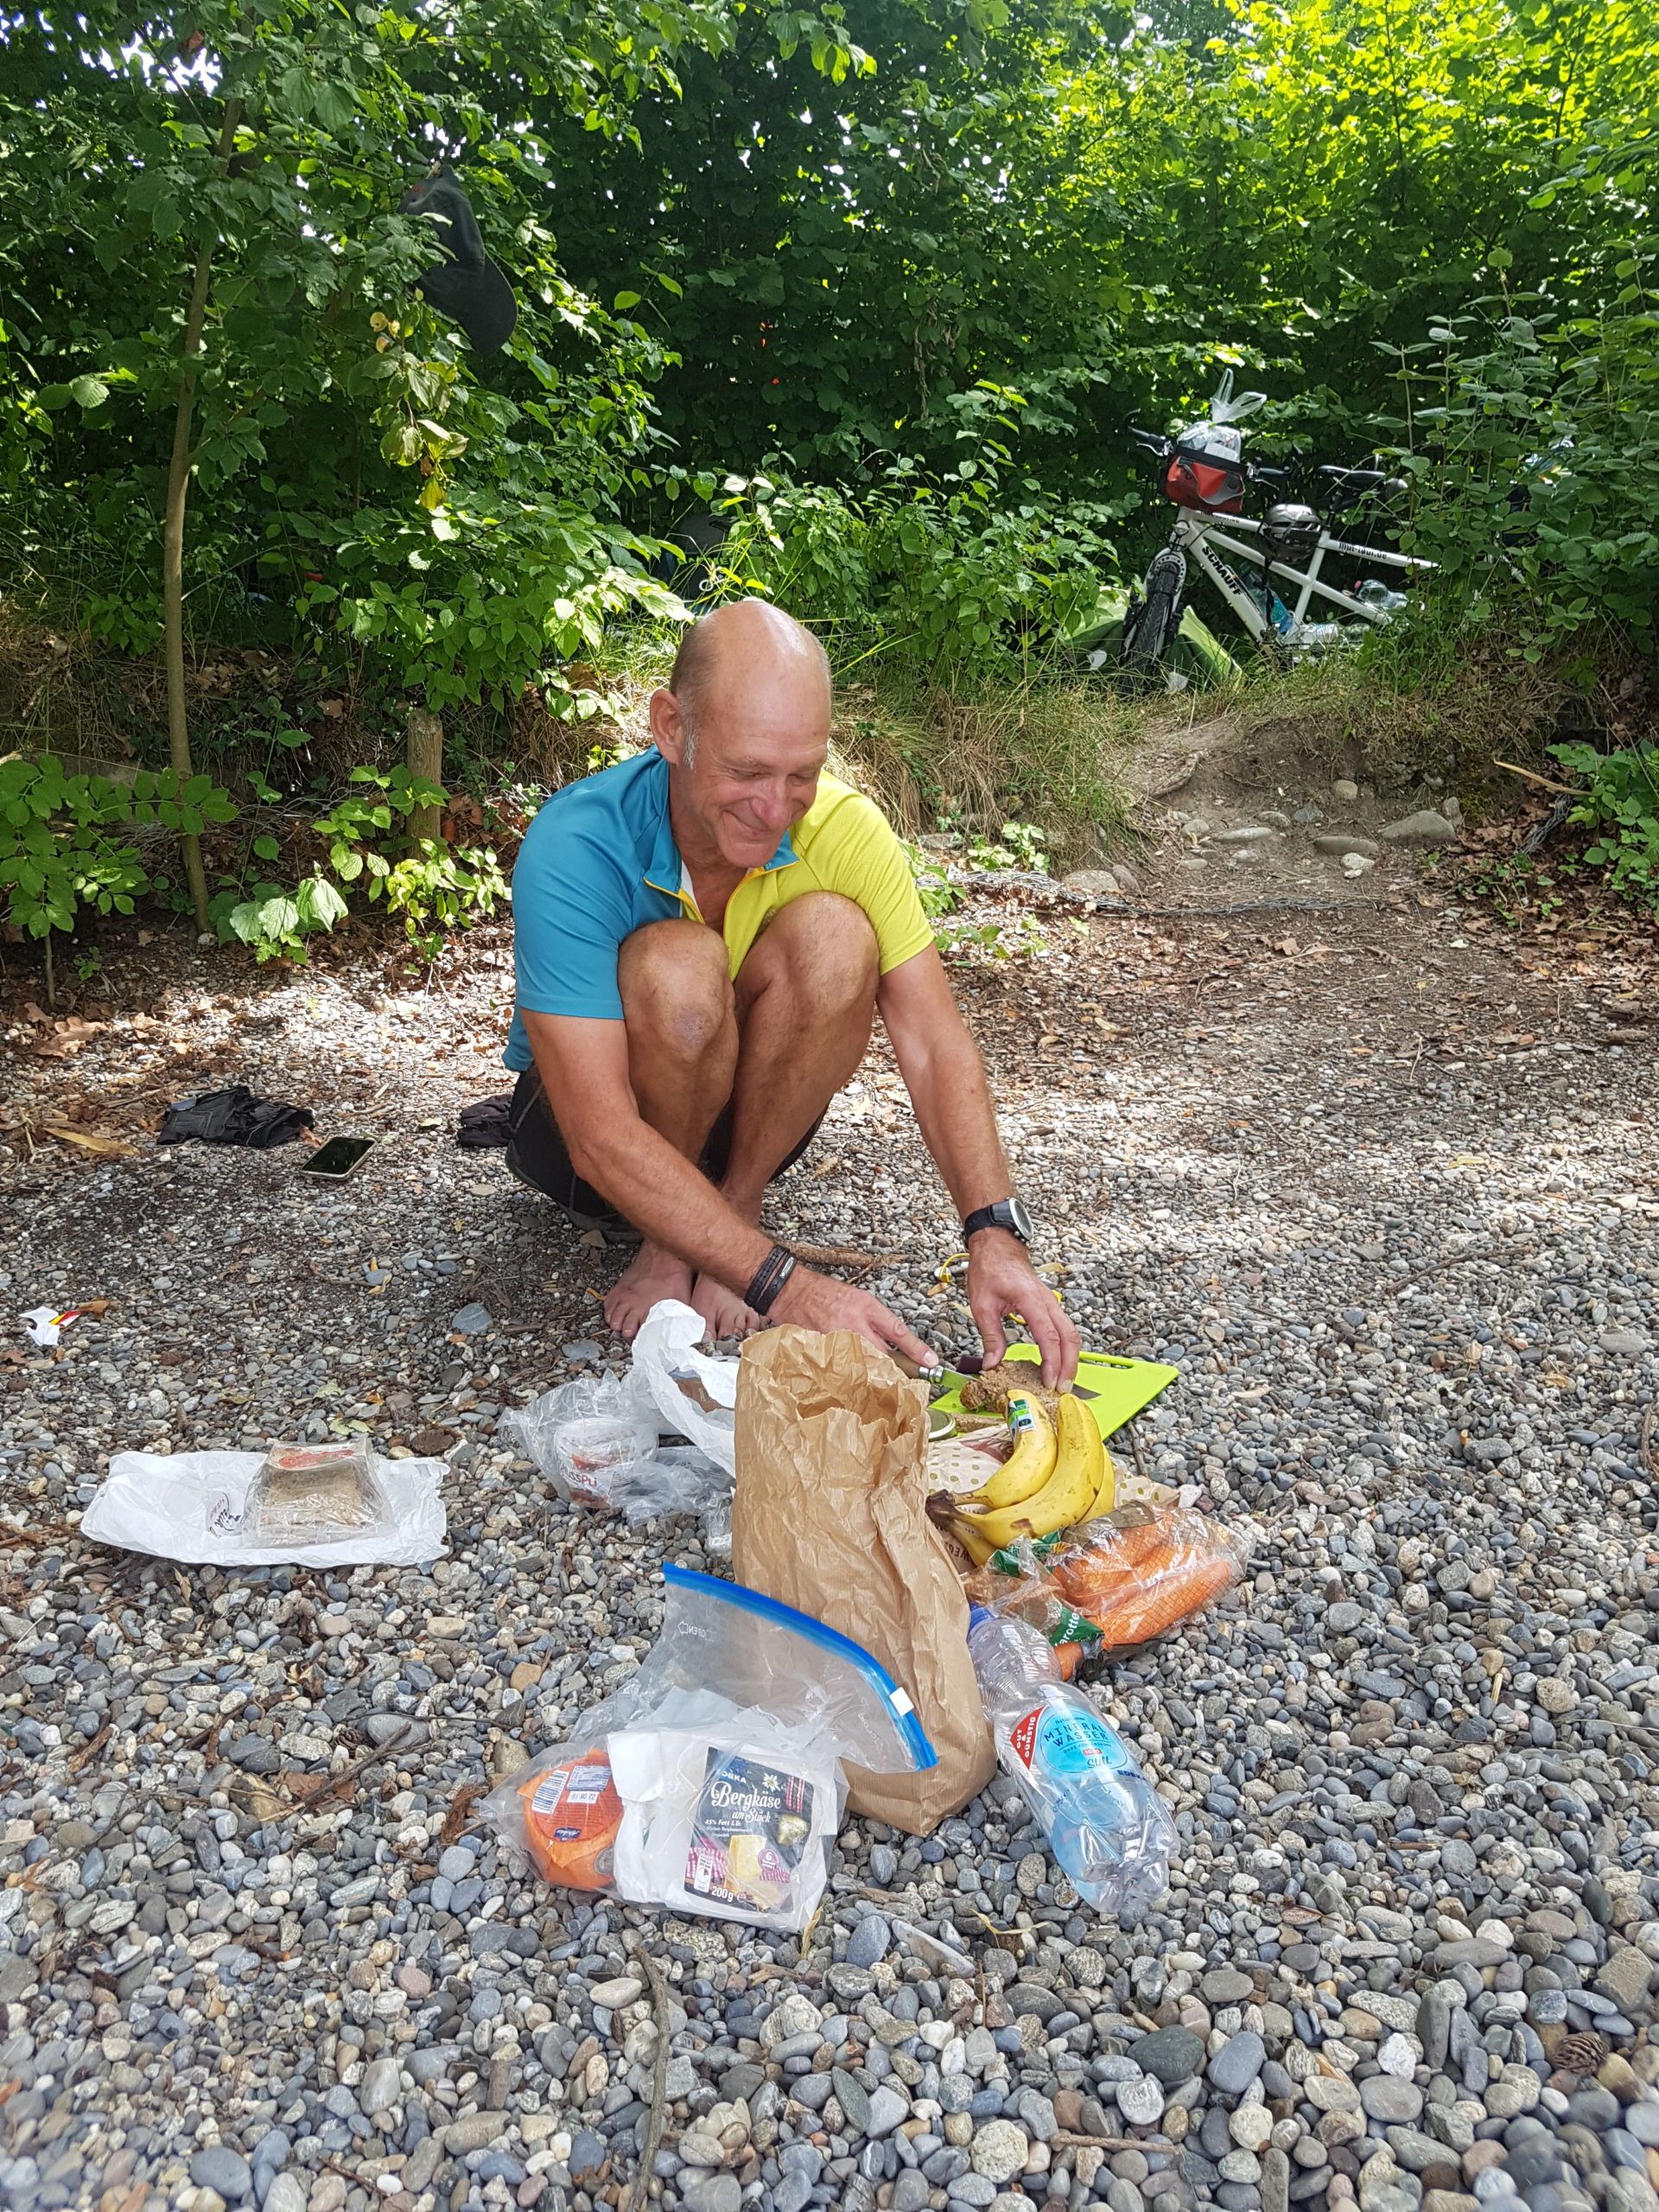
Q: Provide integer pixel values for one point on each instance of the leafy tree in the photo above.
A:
(210, 285)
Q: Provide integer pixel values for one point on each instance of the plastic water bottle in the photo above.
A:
(1105, 1823)
(1374, 593)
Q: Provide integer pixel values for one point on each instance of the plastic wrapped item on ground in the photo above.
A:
(711, 1783)
(194, 1506)
(315, 1494)
(1120, 1581)
(587, 1436)
(597, 1439)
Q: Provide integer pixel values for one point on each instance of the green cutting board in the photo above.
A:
(1112, 1389)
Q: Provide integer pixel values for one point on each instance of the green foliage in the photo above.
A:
(958, 569)
(941, 901)
(1621, 805)
(458, 521)
(884, 285)
(430, 884)
(1537, 453)
(66, 844)
(274, 923)
(1020, 845)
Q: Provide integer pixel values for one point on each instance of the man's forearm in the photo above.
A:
(670, 1201)
(951, 1095)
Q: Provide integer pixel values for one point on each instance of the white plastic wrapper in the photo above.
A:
(665, 1358)
(718, 1785)
(191, 1506)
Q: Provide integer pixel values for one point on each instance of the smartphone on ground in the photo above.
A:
(336, 1160)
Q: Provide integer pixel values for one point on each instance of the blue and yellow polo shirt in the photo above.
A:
(598, 861)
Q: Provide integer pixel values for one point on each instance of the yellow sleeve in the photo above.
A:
(859, 854)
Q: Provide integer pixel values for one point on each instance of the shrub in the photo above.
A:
(1621, 805)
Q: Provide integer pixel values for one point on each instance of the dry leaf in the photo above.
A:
(106, 1146)
(67, 1038)
(265, 1802)
(460, 1812)
(302, 1786)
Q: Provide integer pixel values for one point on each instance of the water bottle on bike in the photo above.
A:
(1106, 1825)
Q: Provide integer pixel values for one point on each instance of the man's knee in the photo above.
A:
(828, 947)
(677, 992)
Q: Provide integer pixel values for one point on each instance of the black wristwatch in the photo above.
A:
(1011, 1214)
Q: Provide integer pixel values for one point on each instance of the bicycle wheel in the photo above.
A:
(1150, 625)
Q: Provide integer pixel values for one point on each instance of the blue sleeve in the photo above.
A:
(572, 907)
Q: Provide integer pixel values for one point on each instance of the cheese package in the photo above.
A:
(571, 1815)
(732, 1819)
(749, 1832)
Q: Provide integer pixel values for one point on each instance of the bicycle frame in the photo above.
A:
(1201, 539)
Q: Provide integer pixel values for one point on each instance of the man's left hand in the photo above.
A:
(1002, 1282)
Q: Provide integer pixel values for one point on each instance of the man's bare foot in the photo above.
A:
(723, 1309)
(651, 1275)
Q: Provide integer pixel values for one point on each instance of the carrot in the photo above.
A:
(1147, 1578)
(1146, 1610)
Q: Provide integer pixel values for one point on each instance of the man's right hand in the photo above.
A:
(815, 1301)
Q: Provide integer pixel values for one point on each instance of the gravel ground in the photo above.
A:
(1387, 1199)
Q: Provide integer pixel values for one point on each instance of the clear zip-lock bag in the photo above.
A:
(712, 1782)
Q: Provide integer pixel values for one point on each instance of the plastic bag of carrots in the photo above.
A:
(1135, 1581)
(1121, 1581)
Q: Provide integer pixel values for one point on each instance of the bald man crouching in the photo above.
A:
(703, 936)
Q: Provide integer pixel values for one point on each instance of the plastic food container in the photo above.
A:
(590, 1452)
(314, 1493)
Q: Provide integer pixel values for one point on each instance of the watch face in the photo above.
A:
(1020, 1216)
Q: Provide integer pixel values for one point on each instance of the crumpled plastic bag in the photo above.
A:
(666, 1359)
(598, 1439)
(190, 1506)
(712, 1782)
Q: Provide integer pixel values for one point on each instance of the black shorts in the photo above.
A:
(537, 1155)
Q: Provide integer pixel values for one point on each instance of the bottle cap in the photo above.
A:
(977, 1613)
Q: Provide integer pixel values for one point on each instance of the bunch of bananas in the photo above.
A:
(1059, 1473)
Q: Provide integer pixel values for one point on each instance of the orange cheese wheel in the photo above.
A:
(572, 1813)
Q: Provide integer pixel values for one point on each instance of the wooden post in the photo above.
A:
(425, 758)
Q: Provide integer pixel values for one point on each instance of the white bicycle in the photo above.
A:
(1204, 473)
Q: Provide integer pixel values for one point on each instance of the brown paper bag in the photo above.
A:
(830, 1516)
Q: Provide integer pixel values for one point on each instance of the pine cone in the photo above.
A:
(1581, 2053)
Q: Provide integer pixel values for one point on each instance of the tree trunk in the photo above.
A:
(178, 487)
(425, 758)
